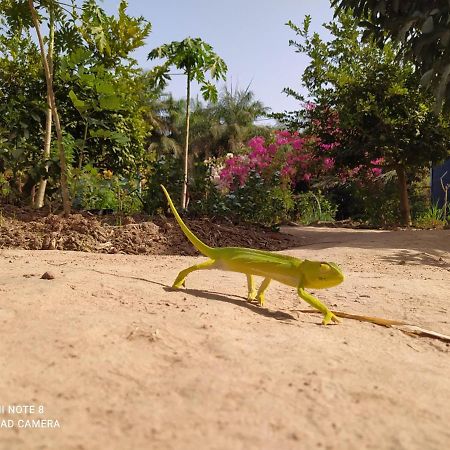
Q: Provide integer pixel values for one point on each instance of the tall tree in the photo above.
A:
(195, 58)
(38, 200)
(423, 28)
(48, 72)
(381, 111)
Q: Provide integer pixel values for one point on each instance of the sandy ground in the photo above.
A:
(122, 362)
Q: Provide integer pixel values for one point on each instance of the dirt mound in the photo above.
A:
(31, 230)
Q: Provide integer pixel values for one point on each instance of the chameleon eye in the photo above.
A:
(324, 267)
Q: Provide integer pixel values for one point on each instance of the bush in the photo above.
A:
(95, 189)
(256, 201)
(313, 207)
(167, 171)
(5, 188)
(433, 217)
(374, 202)
(259, 201)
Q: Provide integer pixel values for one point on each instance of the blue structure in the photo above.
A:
(437, 194)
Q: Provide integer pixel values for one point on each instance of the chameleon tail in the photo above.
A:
(196, 242)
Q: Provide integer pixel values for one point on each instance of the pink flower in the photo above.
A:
(376, 171)
(377, 162)
(328, 163)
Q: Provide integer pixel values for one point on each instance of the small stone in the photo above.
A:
(48, 276)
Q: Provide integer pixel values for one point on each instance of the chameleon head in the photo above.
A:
(319, 274)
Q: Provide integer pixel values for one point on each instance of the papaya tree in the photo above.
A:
(195, 58)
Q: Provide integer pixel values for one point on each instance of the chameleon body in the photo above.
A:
(285, 269)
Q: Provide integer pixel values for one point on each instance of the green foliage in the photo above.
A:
(165, 170)
(107, 109)
(215, 128)
(267, 204)
(5, 187)
(381, 110)
(205, 198)
(233, 120)
(433, 217)
(311, 207)
(373, 203)
(100, 92)
(421, 26)
(95, 189)
(260, 202)
(112, 39)
(257, 201)
(195, 58)
(21, 106)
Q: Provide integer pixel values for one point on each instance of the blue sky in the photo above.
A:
(250, 35)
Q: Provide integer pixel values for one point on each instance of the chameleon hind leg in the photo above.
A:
(328, 316)
(262, 288)
(251, 295)
(181, 278)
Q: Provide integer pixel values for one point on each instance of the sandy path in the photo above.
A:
(123, 363)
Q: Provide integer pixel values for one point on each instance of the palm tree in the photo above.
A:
(236, 113)
(166, 116)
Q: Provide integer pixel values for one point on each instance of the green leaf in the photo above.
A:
(120, 138)
(209, 92)
(87, 78)
(103, 87)
(110, 102)
(101, 133)
(80, 105)
(78, 56)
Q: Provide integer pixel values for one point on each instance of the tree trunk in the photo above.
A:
(186, 143)
(39, 199)
(405, 212)
(52, 102)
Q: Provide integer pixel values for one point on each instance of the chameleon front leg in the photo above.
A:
(181, 278)
(262, 288)
(251, 288)
(316, 303)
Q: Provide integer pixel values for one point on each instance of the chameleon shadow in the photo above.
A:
(239, 301)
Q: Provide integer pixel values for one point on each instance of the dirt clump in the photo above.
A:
(22, 228)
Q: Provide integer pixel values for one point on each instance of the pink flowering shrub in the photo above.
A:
(289, 157)
(266, 182)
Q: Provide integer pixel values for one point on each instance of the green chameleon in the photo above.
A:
(285, 269)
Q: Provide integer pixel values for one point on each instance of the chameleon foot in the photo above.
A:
(251, 296)
(260, 299)
(329, 316)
